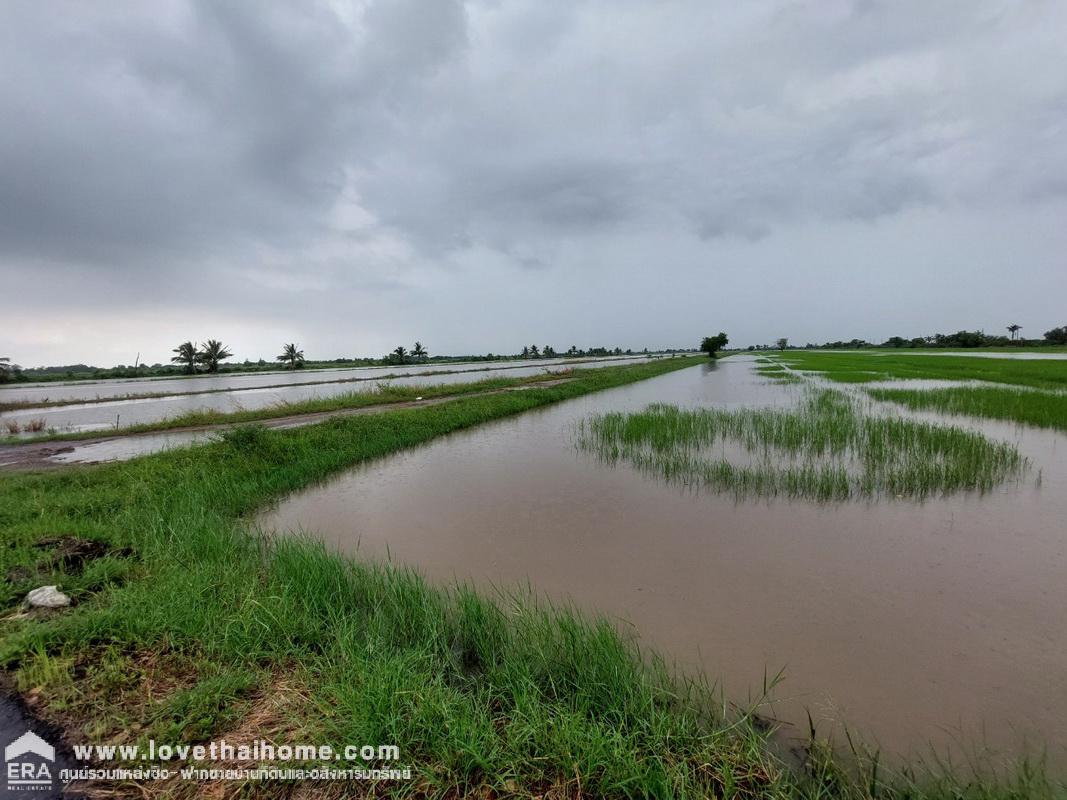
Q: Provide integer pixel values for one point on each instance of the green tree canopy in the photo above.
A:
(212, 353)
(187, 355)
(713, 344)
(293, 357)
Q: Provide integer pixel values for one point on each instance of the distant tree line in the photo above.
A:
(957, 340)
(211, 357)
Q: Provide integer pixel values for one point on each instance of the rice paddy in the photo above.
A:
(869, 366)
(1037, 408)
(827, 450)
(776, 372)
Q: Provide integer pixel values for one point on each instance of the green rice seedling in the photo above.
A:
(868, 366)
(826, 450)
(1037, 408)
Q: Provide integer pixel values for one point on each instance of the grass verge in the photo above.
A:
(826, 450)
(187, 627)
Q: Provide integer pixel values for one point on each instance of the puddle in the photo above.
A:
(126, 447)
(915, 623)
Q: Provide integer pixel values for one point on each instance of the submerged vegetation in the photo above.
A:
(1037, 408)
(825, 450)
(868, 367)
(776, 372)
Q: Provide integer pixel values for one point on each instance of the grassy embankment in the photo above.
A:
(385, 394)
(825, 450)
(187, 626)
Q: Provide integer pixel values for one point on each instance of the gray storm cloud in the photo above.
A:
(485, 174)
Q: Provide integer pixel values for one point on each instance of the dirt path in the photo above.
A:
(41, 455)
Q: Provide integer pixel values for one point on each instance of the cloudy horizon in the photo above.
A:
(482, 175)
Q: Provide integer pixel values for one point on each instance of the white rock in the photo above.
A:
(47, 597)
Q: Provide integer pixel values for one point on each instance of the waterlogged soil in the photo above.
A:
(236, 396)
(935, 624)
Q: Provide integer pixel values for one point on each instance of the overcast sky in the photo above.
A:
(483, 175)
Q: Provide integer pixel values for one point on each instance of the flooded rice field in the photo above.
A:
(1023, 356)
(122, 387)
(243, 392)
(916, 624)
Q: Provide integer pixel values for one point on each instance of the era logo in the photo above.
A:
(27, 762)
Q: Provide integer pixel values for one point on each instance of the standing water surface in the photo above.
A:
(915, 624)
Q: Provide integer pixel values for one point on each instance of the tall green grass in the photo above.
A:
(1040, 409)
(825, 450)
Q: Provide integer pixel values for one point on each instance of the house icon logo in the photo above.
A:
(27, 763)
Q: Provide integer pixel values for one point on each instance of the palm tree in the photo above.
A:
(7, 369)
(294, 357)
(214, 352)
(399, 356)
(420, 352)
(1014, 329)
(188, 355)
(534, 352)
(525, 352)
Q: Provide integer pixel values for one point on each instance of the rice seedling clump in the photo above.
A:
(825, 450)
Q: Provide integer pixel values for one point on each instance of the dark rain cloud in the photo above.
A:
(353, 152)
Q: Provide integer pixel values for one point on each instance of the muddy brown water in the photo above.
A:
(919, 625)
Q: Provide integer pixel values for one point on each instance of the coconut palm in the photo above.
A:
(214, 352)
(187, 355)
(534, 352)
(399, 356)
(7, 369)
(1014, 329)
(292, 356)
(420, 352)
